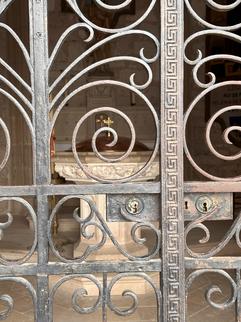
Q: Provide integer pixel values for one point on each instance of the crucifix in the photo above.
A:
(102, 120)
(108, 122)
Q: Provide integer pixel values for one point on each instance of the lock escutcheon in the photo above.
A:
(134, 206)
(204, 204)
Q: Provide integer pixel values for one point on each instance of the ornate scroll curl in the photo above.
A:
(79, 293)
(214, 288)
(73, 4)
(218, 7)
(8, 301)
(233, 231)
(132, 295)
(4, 226)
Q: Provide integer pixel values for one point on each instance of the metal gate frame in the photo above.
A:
(171, 265)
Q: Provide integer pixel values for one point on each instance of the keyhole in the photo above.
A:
(205, 208)
(186, 205)
(135, 207)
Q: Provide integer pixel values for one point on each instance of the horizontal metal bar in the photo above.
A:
(104, 267)
(214, 262)
(98, 188)
(53, 268)
(6, 191)
(154, 265)
(128, 188)
(19, 270)
(91, 189)
(210, 186)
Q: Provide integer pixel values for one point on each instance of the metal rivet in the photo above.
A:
(38, 34)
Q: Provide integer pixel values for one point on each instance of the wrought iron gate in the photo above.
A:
(168, 199)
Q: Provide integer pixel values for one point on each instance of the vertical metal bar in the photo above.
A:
(238, 301)
(43, 299)
(39, 54)
(104, 298)
(39, 50)
(173, 273)
(42, 207)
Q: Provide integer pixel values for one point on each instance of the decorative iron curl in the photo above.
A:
(155, 121)
(196, 35)
(5, 225)
(20, 44)
(31, 212)
(225, 134)
(122, 5)
(21, 110)
(210, 74)
(65, 35)
(8, 300)
(106, 232)
(217, 7)
(78, 294)
(223, 7)
(8, 144)
(98, 132)
(234, 230)
(107, 61)
(85, 224)
(132, 295)
(142, 224)
(83, 167)
(86, 53)
(73, 4)
(208, 129)
(214, 288)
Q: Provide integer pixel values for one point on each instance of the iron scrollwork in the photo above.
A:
(79, 293)
(57, 103)
(212, 85)
(132, 295)
(214, 289)
(21, 101)
(96, 220)
(5, 225)
(107, 288)
(233, 231)
(25, 104)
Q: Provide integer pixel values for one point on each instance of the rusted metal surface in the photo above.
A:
(170, 200)
(219, 206)
(40, 115)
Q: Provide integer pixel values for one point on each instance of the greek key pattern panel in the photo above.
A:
(172, 161)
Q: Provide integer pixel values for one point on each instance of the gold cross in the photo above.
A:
(108, 122)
